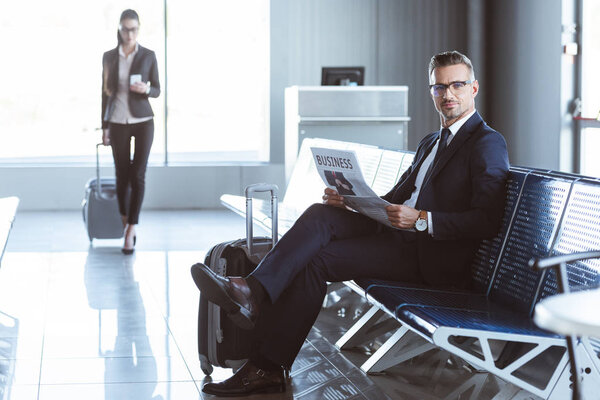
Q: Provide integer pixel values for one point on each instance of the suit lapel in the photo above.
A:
(428, 147)
(407, 186)
(463, 134)
(136, 60)
(113, 74)
(421, 157)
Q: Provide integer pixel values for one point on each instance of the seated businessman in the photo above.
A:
(448, 200)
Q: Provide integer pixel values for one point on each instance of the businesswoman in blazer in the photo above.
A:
(129, 77)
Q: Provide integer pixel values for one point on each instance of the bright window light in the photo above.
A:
(217, 63)
(590, 100)
(218, 80)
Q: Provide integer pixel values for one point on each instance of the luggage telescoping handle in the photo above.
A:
(257, 188)
(98, 183)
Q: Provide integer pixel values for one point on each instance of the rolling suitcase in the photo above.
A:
(220, 342)
(100, 208)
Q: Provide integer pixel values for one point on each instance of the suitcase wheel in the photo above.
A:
(205, 366)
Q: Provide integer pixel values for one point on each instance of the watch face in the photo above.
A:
(421, 225)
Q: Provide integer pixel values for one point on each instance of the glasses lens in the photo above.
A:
(438, 90)
(129, 30)
(456, 86)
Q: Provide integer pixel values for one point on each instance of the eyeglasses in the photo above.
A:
(129, 30)
(439, 89)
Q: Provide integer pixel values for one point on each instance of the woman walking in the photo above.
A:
(129, 78)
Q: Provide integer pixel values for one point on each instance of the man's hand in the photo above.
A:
(332, 198)
(106, 137)
(402, 216)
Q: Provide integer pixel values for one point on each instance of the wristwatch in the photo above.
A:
(421, 224)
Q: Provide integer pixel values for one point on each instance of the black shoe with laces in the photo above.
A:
(248, 380)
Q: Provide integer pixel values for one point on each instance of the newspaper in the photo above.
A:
(341, 171)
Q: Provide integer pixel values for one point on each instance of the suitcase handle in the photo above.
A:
(98, 183)
(258, 188)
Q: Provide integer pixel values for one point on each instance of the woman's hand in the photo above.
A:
(139, 87)
(332, 198)
(106, 137)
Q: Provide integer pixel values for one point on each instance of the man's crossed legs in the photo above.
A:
(282, 297)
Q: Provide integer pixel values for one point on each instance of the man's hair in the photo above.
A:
(448, 58)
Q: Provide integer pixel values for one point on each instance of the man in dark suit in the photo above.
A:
(449, 199)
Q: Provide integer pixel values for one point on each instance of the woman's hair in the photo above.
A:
(127, 14)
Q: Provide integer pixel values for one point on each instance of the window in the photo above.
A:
(218, 74)
(590, 96)
(218, 80)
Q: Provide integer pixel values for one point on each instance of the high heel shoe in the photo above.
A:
(129, 252)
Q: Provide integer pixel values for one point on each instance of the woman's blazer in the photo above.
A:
(145, 64)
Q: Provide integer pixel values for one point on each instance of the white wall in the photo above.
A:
(62, 188)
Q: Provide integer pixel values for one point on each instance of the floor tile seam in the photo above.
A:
(115, 383)
(319, 385)
(341, 373)
(307, 367)
(118, 382)
(47, 296)
(109, 357)
(172, 336)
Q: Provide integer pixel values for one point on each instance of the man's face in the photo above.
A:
(452, 104)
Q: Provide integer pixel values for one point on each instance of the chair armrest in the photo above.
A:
(559, 264)
(546, 262)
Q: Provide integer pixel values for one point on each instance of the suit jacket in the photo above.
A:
(145, 64)
(465, 194)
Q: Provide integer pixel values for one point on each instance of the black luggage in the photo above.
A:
(100, 208)
(220, 342)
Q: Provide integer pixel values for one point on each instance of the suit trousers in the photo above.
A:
(131, 172)
(326, 244)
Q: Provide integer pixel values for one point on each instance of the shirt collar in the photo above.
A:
(458, 124)
(122, 53)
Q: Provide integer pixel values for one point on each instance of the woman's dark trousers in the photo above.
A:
(131, 173)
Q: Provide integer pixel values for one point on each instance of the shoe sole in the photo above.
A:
(210, 289)
(271, 389)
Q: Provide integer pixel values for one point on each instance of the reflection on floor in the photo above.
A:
(81, 322)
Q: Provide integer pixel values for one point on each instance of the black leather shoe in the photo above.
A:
(248, 380)
(232, 294)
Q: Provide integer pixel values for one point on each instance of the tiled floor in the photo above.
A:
(82, 322)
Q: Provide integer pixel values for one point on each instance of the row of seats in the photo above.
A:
(489, 327)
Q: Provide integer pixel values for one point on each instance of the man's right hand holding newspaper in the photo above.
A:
(400, 216)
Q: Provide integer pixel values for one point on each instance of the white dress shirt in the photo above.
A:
(121, 113)
(412, 201)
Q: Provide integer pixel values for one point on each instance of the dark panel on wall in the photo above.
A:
(309, 34)
(393, 39)
(410, 33)
(514, 46)
(524, 75)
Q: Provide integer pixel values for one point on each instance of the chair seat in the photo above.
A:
(427, 319)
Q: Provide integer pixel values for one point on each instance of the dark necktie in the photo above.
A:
(441, 146)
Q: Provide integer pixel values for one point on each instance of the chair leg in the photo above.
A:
(367, 328)
(401, 346)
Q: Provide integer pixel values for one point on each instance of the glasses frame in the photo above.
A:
(439, 86)
(127, 31)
